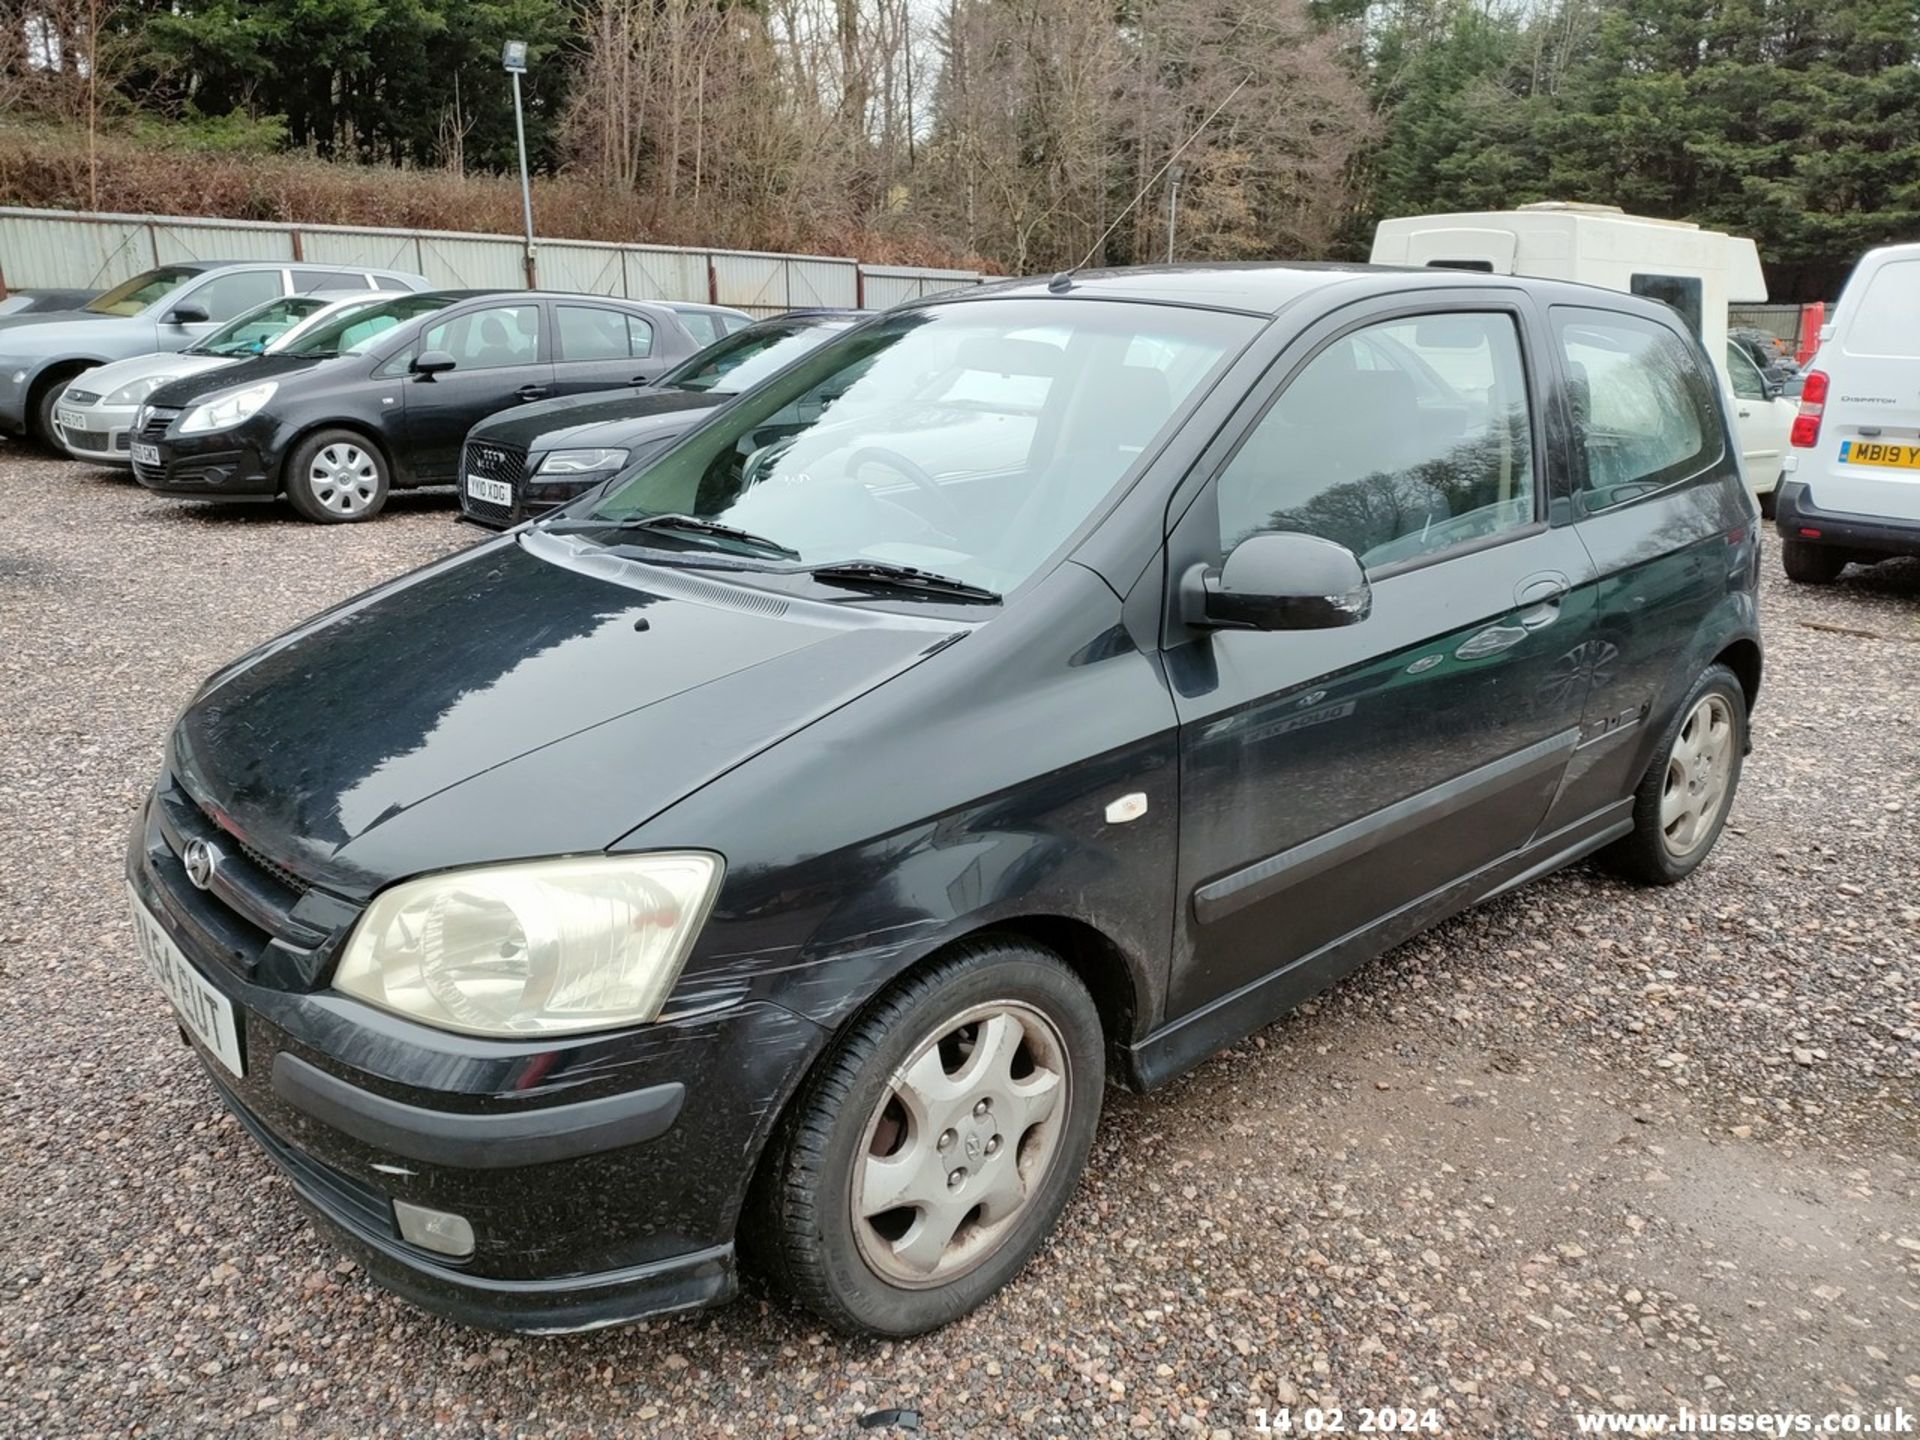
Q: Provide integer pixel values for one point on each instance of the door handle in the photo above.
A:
(1745, 414)
(1539, 597)
(530, 392)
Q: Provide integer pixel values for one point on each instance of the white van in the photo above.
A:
(1698, 272)
(1852, 487)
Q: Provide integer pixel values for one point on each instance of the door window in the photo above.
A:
(1397, 440)
(488, 339)
(702, 325)
(1748, 383)
(1644, 415)
(309, 281)
(226, 296)
(592, 332)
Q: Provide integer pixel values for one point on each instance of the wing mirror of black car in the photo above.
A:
(429, 363)
(1278, 581)
(187, 313)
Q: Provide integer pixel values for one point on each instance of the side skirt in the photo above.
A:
(1180, 1044)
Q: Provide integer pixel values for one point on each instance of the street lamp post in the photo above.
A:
(1173, 205)
(513, 58)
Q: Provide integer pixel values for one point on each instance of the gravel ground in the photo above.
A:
(1585, 1147)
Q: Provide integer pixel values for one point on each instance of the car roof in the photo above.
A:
(697, 306)
(1255, 287)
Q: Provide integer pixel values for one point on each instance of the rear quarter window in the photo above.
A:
(1644, 411)
(1885, 320)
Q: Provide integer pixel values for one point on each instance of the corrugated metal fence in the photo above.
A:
(59, 248)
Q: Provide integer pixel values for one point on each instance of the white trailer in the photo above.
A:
(1697, 271)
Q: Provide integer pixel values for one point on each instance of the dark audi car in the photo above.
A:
(778, 853)
(526, 460)
(381, 399)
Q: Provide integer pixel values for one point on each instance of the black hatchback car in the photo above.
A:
(527, 460)
(381, 399)
(780, 852)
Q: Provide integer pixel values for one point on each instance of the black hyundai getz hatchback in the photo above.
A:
(780, 849)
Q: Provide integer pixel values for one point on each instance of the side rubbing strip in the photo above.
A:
(1220, 898)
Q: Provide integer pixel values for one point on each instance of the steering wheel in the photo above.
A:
(910, 470)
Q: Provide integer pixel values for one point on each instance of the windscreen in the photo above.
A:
(745, 358)
(970, 439)
(130, 297)
(352, 332)
(248, 334)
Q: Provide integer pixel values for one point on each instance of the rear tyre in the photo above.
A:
(335, 477)
(1682, 802)
(932, 1150)
(1810, 564)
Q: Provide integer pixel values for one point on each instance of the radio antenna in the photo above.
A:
(1141, 194)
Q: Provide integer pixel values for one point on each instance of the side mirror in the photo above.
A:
(429, 363)
(188, 313)
(1774, 389)
(1284, 581)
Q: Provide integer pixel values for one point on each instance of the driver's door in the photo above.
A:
(1333, 781)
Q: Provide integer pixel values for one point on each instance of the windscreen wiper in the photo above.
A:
(676, 523)
(879, 575)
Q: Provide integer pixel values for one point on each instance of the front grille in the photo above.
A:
(343, 1199)
(249, 902)
(79, 397)
(157, 421)
(493, 461)
(89, 439)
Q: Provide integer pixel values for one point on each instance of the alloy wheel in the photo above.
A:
(1699, 769)
(969, 1127)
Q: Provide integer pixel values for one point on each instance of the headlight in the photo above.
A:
(224, 411)
(580, 462)
(134, 391)
(546, 947)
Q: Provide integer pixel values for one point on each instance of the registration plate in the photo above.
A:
(494, 492)
(1897, 455)
(207, 1014)
(69, 419)
(146, 454)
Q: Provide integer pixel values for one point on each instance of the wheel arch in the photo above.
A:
(1742, 657)
(53, 373)
(308, 429)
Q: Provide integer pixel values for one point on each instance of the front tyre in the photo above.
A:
(1683, 800)
(337, 476)
(933, 1148)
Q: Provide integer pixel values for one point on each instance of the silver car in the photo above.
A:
(93, 417)
(167, 308)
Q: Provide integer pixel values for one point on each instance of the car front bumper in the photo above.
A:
(1796, 517)
(103, 434)
(601, 1175)
(224, 465)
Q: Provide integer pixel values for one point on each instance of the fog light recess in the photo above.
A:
(441, 1231)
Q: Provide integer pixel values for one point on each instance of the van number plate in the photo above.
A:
(1876, 452)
